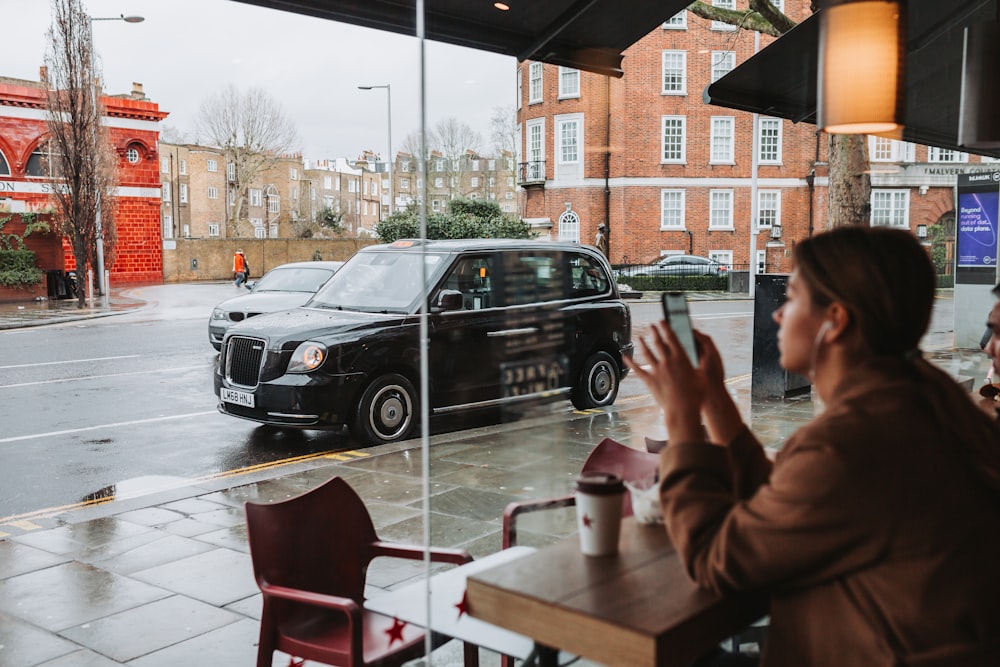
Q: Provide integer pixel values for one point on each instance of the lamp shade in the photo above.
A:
(979, 108)
(862, 52)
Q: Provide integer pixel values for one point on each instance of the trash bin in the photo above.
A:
(768, 380)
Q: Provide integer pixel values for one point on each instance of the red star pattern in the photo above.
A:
(463, 606)
(396, 631)
(587, 521)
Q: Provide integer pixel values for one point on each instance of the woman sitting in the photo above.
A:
(876, 531)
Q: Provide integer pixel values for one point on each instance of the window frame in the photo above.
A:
(535, 83)
(767, 193)
(682, 141)
(895, 195)
(727, 194)
(722, 144)
(566, 93)
(763, 122)
(681, 209)
(719, 60)
(681, 88)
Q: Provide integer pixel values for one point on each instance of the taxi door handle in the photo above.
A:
(512, 332)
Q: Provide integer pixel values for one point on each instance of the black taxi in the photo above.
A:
(507, 321)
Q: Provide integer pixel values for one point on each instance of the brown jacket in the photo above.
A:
(878, 542)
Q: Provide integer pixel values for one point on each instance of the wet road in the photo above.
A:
(124, 405)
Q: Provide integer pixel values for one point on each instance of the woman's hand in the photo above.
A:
(677, 386)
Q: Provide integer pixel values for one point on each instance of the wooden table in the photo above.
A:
(635, 608)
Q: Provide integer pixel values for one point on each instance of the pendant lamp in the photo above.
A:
(979, 109)
(862, 53)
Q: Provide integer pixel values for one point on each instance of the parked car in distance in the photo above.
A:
(681, 265)
(508, 322)
(283, 287)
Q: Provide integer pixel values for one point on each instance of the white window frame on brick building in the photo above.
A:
(569, 227)
(293, 173)
(256, 197)
(761, 261)
(352, 185)
(213, 229)
(678, 21)
(165, 190)
(436, 205)
(935, 154)
(520, 85)
(132, 155)
(723, 63)
(183, 198)
(328, 182)
(673, 145)
(439, 182)
(672, 209)
(569, 83)
(769, 141)
(768, 208)
(273, 204)
(231, 197)
(890, 208)
(881, 149)
(722, 140)
(165, 165)
(183, 168)
(720, 25)
(674, 65)
(569, 143)
(213, 192)
(404, 184)
(724, 257)
(474, 182)
(536, 149)
(211, 165)
(259, 232)
(167, 226)
(534, 83)
(720, 209)
(231, 171)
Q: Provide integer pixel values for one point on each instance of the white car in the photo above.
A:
(282, 288)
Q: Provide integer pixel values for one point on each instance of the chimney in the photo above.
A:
(137, 93)
(43, 74)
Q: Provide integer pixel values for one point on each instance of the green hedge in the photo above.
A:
(675, 283)
(945, 281)
(17, 267)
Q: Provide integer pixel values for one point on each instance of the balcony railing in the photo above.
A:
(531, 173)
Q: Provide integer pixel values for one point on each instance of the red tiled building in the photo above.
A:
(133, 123)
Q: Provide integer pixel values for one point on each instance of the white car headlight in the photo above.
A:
(307, 356)
(219, 314)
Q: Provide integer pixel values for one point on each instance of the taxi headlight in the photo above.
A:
(307, 356)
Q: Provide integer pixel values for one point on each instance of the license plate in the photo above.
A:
(238, 397)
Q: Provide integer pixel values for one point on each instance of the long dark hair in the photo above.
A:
(885, 280)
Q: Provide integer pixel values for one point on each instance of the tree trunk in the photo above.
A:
(850, 182)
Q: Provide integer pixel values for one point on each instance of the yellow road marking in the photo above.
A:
(3, 535)
(50, 511)
(23, 525)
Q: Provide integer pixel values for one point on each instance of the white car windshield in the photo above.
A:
(293, 280)
(378, 282)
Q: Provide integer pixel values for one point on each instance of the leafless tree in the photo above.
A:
(850, 183)
(503, 133)
(77, 152)
(452, 138)
(252, 130)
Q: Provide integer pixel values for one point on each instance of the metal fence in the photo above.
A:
(644, 277)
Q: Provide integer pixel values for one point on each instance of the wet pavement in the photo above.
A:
(165, 579)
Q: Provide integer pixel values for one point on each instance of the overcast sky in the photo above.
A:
(187, 49)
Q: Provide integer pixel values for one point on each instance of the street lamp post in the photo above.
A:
(388, 98)
(97, 121)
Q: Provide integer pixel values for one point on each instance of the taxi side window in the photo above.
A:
(588, 277)
(473, 277)
(533, 278)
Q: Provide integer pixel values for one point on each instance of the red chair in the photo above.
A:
(608, 456)
(310, 557)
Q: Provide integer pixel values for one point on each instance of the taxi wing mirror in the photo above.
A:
(448, 299)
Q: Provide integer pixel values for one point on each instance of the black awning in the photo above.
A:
(584, 34)
(780, 81)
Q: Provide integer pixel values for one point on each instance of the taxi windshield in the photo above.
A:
(378, 282)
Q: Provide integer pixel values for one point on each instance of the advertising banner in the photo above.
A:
(977, 228)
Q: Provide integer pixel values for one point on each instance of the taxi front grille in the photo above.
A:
(244, 357)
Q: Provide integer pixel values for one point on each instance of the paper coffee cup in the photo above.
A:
(599, 499)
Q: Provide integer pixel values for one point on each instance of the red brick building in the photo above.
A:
(133, 123)
(670, 174)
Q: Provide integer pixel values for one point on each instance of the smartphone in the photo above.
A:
(675, 310)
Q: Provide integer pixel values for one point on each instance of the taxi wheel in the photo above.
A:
(387, 411)
(597, 385)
